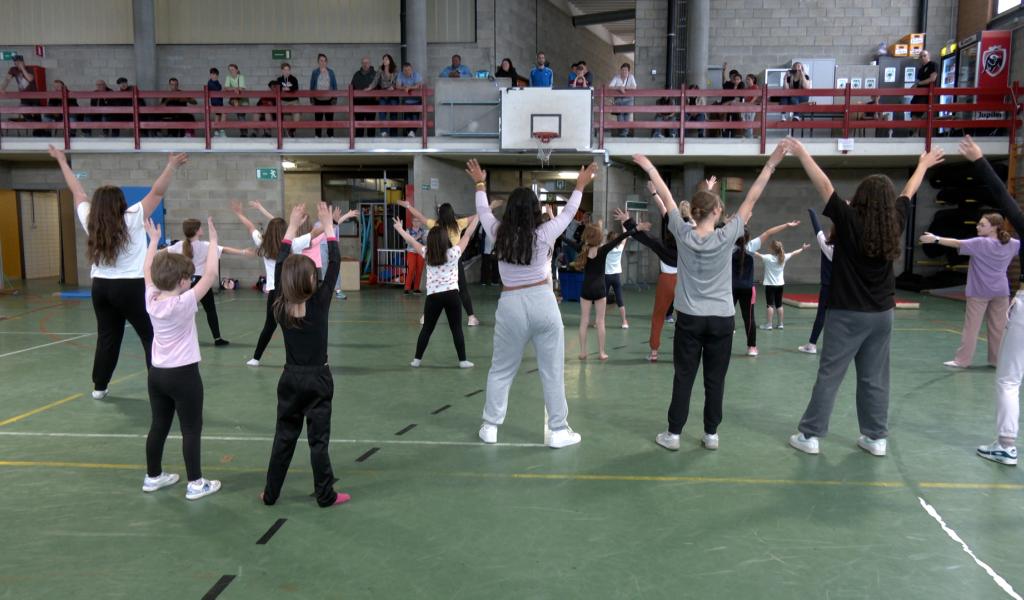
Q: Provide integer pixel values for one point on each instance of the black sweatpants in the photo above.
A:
(613, 283)
(115, 301)
(211, 310)
(467, 301)
(175, 390)
(269, 325)
(449, 303)
(697, 338)
(746, 299)
(303, 392)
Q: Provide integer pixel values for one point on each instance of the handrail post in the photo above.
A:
(277, 96)
(600, 117)
(136, 124)
(847, 99)
(351, 117)
(682, 118)
(423, 113)
(1015, 90)
(206, 115)
(764, 118)
(928, 119)
(66, 117)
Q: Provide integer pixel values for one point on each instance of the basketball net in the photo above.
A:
(543, 154)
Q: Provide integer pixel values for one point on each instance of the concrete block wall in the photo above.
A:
(651, 45)
(202, 188)
(79, 66)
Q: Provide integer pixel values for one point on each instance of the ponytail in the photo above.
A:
(190, 227)
(779, 252)
(996, 220)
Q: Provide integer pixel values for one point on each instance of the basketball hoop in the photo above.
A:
(543, 139)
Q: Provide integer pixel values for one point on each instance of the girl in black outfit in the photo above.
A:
(306, 387)
(592, 262)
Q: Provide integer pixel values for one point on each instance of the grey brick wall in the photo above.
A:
(651, 32)
(79, 66)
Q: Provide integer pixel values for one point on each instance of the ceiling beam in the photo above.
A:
(604, 17)
(624, 48)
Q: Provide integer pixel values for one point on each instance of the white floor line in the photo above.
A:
(46, 333)
(1002, 583)
(71, 339)
(242, 438)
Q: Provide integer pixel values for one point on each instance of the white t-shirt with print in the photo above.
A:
(298, 245)
(443, 278)
(773, 271)
(199, 251)
(132, 257)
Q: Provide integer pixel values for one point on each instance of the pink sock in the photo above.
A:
(341, 499)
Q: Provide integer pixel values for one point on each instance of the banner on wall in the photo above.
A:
(993, 69)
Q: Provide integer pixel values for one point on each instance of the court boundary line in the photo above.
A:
(70, 339)
(56, 403)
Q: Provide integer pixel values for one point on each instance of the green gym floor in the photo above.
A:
(436, 514)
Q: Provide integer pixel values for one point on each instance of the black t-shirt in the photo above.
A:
(289, 85)
(306, 344)
(859, 283)
(929, 69)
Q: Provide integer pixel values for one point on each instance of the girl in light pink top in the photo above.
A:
(174, 382)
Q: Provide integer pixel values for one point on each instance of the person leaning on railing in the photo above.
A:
(172, 86)
(323, 79)
(796, 79)
(410, 81)
(623, 81)
(750, 83)
(289, 85)
(361, 80)
(927, 75)
(58, 86)
(270, 117)
(235, 84)
(386, 79)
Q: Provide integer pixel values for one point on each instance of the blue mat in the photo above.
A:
(76, 294)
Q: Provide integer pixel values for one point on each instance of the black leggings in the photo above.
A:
(747, 299)
(819, 317)
(467, 301)
(697, 338)
(115, 301)
(211, 310)
(269, 326)
(614, 283)
(449, 303)
(303, 392)
(773, 296)
(175, 390)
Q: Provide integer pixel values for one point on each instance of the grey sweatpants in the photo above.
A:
(526, 316)
(862, 337)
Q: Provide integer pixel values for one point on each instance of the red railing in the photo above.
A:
(141, 112)
(854, 110)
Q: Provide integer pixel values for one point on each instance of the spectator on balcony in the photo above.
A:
(289, 85)
(170, 101)
(213, 85)
(361, 80)
(506, 69)
(125, 101)
(323, 80)
(580, 76)
(796, 79)
(58, 86)
(26, 82)
(456, 69)
(734, 81)
(750, 83)
(692, 114)
(235, 84)
(541, 75)
(274, 86)
(623, 81)
(927, 75)
(410, 82)
(386, 80)
(100, 86)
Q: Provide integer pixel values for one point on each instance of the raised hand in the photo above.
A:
(928, 238)
(475, 172)
(397, 223)
(643, 227)
(684, 208)
(211, 231)
(806, 246)
(585, 176)
(255, 204)
(711, 181)
(349, 215)
(620, 215)
(56, 153)
(793, 223)
(643, 162)
(152, 230)
(236, 207)
(932, 158)
(177, 159)
(297, 216)
(323, 213)
(336, 214)
(968, 148)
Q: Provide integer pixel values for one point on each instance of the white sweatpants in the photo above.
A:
(1009, 372)
(526, 316)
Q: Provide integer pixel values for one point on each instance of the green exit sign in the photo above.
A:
(280, 54)
(7, 54)
(268, 174)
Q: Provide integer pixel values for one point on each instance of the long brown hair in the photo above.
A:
(875, 203)
(108, 234)
(272, 237)
(703, 204)
(168, 270)
(438, 244)
(996, 221)
(779, 252)
(298, 283)
(591, 239)
(190, 227)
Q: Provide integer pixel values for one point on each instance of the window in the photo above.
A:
(1005, 5)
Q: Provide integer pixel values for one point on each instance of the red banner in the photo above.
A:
(994, 59)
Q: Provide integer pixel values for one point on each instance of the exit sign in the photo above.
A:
(280, 54)
(7, 54)
(268, 174)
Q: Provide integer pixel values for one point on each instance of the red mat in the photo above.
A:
(811, 301)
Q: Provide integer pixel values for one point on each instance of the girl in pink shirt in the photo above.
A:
(174, 382)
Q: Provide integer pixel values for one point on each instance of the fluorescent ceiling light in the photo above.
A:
(287, 164)
(567, 174)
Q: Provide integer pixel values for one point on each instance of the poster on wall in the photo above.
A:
(890, 74)
(870, 83)
(993, 68)
(855, 83)
(841, 83)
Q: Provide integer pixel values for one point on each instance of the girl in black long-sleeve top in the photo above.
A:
(306, 387)
(1010, 367)
(594, 289)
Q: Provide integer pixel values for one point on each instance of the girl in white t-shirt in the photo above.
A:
(442, 284)
(116, 250)
(196, 250)
(775, 280)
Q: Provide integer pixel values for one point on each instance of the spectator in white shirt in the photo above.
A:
(623, 81)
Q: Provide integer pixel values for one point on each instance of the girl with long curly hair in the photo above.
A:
(858, 323)
(116, 250)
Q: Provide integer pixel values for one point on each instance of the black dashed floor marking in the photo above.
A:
(218, 587)
(474, 392)
(405, 430)
(442, 409)
(367, 454)
(270, 532)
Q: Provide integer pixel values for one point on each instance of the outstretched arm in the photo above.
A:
(412, 210)
(817, 176)
(772, 231)
(236, 251)
(153, 230)
(799, 250)
(156, 193)
(747, 208)
(664, 195)
(77, 191)
(212, 264)
(988, 178)
(258, 206)
(931, 238)
(924, 162)
(657, 199)
(815, 223)
(416, 246)
(468, 233)
(236, 207)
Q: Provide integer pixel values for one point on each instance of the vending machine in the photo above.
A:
(983, 61)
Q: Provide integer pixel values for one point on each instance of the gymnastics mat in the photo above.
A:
(811, 301)
(75, 294)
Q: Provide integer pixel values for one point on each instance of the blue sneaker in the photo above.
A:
(996, 452)
(341, 295)
(201, 487)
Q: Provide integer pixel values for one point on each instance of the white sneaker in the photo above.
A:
(874, 447)
(804, 444)
(808, 349)
(100, 394)
(625, 325)
(710, 441)
(670, 320)
(489, 433)
(201, 487)
(780, 326)
(421, 319)
(252, 362)
(667, 440)
(752, 351)
(953, 364)
(473, 321)
(564, 437)
(766, 327)
(415, 363)
(465, 364)
(996, 452)
(410, 134)
(152, 484)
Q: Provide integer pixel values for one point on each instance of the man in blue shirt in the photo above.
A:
(456, 69)
(541, 75)
(409, 81)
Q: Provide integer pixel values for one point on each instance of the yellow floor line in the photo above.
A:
(57, 403)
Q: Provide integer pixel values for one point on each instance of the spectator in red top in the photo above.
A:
(26, 82)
